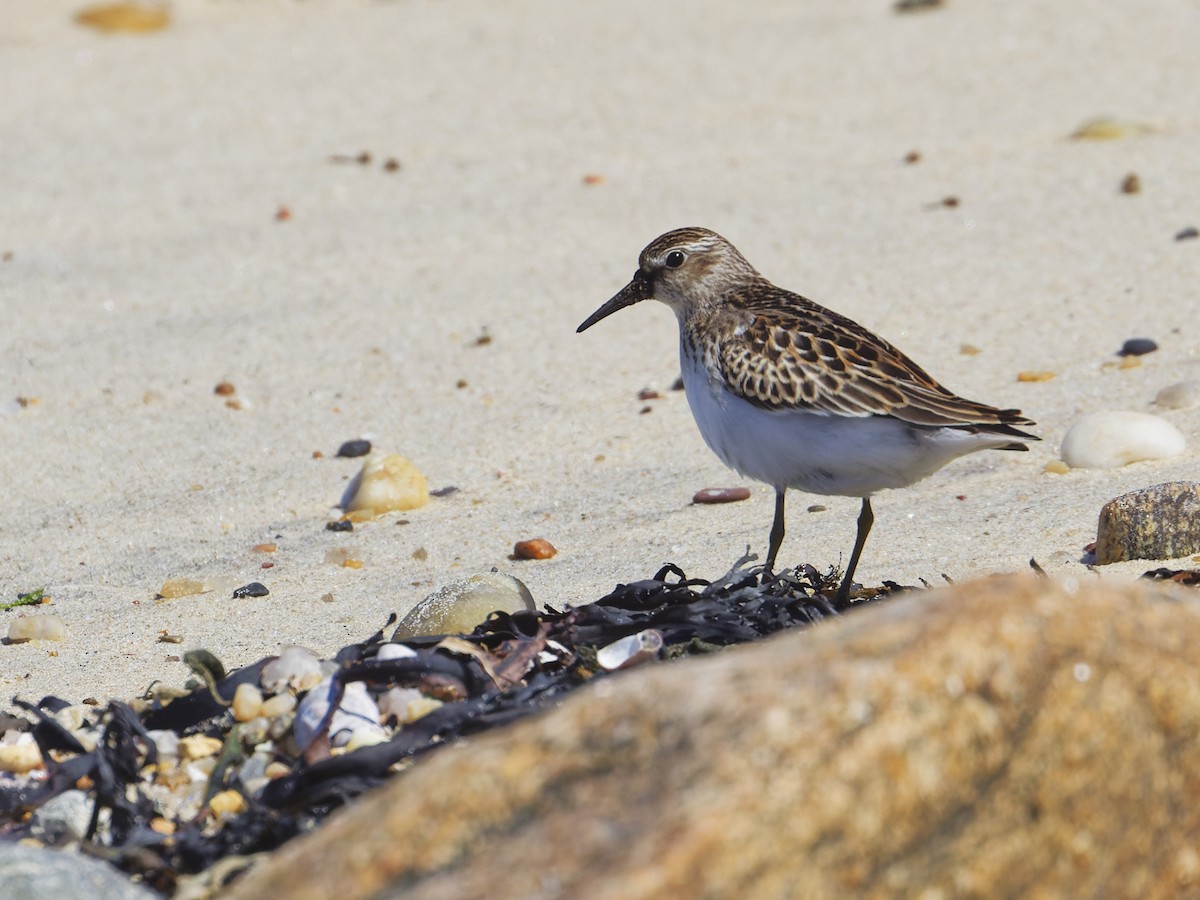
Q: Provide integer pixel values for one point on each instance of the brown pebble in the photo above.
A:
(1131, 184)
(648, 394)
(721, 495)
(593, 179)
(420, 554)
(537, 548)
(912, 157)
(225, 389)
(264, 548)
(1035, 376)
(392, 165)
(645, 409)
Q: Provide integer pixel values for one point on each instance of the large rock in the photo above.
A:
(1159, 522)
(999, 738)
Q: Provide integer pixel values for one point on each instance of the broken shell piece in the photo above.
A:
(49, 627)
(294, 667)
(385, 484)
(395, 651)
(356, 712)
(631, 650)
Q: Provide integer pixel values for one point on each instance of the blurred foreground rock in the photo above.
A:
(999, 738)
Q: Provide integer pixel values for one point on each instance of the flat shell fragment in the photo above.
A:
(1108, 440)
(385, 484)
(1159, 522)
(631, 650)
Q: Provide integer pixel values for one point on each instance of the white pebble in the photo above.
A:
(279, 705)
(1180, 395)
(1107, 440)
(395, 651)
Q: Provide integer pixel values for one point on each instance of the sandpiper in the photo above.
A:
(795, 395)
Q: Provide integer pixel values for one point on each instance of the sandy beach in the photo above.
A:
(541, 145)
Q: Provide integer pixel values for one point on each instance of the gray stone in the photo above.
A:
(458, 606)
(31, 873)
(1159, 522)
(65, 818)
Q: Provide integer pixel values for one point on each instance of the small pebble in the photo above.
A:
(181, 587)
(1057, 467)
(264, 548)
(721, 495)
(247, 702)
(227, 803)
(279, 705)
(1107, 440)
(1180, 395)
(1137, 347)
(198, 746)
(18, 758)
(225, 389)
(253, 589)
(1131, 184)
(817, 507)
(351, 449)
(1036, 375)
(536, 548)
(340, 525)
(1187, 234)
(1159, 522)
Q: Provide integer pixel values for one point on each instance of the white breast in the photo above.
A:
(815, 452)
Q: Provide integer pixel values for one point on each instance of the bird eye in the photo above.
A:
(674, 259)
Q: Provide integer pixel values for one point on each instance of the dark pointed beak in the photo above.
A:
(638, 289)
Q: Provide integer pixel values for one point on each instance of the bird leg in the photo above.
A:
(866, 519)
(776, 532)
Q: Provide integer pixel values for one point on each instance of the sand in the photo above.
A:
(542, 144)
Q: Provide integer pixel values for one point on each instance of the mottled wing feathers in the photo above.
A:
(779, 350)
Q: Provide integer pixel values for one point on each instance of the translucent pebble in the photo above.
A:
(47, 627)
(166, 742)
(247, 702)
(180, 587)
(1180, 395)
(1107, 440)
(385, 484)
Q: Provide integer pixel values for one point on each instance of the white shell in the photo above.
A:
(1106, 440)
(631, 650)
(356, 712)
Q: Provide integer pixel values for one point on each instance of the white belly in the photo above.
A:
(817, 453)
